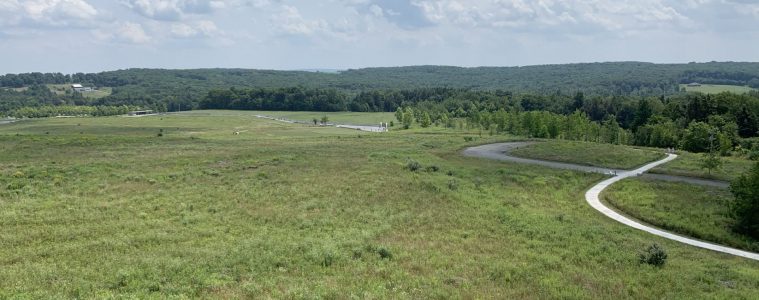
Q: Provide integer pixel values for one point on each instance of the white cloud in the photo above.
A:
(554, 14)
(376, 10)
(59, 13)
(133, 33)
(290, 21)
(197, 29)
(172, 10)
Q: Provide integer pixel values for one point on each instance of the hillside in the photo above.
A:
(188, 87)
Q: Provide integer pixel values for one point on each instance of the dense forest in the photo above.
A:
(174, 89)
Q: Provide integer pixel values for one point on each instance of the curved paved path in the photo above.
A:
(500, 152)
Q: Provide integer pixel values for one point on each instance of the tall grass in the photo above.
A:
(103, 208)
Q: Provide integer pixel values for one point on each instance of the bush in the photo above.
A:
(655, 255)
(413, 166)
(753, 154)
(328, 258)
(745, 208)
(432, 169)
(384, 253)
(453, 184)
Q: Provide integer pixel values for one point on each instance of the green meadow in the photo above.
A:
(177, 206)
(689, 164)
(695, 211)
(590, 154)
(716, 88)
(629, 157)
(354, 118)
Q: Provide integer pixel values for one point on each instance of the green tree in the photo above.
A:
(399, 114)
(642, 114)
(745, 208)
(696, 137)
(325, 119)
(446, 121)
(426, 121)
(711, 159)
(408, 118)
(316, 121)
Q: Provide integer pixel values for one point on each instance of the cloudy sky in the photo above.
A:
(96, 35)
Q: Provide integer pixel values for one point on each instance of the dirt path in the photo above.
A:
(500, 152)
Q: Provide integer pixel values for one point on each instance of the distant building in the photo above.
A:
(80, 89)
(694, 84)
(140, 112)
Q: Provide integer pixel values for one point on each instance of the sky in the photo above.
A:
(99, 35)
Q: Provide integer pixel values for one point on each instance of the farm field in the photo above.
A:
(716, 88)
(175, 206)
(695, 211)
(590, 154)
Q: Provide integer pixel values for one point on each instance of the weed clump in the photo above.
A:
(453, 184)
(328, 258)
(654, 255)
(413, 166)
(432, 168)
(384, 253)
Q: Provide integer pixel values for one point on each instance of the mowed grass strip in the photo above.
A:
(589, 154)
(689, 164)
(352, 118)
(695, 211)
(717, 88)
(105, 208)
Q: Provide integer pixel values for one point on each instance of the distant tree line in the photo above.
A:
(185, 89)
(687, 121)
(289, 99)
(71, 110)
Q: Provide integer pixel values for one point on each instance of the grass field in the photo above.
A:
(716, 89)
(105, 208)
(695, 211)
(589, 154)
(352, 118)
(61, 89)
(689, 164)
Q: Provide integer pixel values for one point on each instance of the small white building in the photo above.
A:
(80, 89)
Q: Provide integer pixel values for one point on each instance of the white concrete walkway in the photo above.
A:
(592, 196)
(500, 152)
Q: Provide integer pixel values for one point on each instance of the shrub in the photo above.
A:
(655, 255)
(453, 185)
(413, 166)
(328, 258)
(384, 253)
(745, 208)
(753, 154)
(432, 169)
